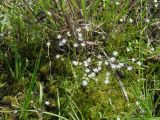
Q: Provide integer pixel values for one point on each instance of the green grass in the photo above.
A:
(43, 77)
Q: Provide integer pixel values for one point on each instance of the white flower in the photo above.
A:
(80, 38)
(86, 27)
(86, 64)
(108, 74)
(118, 66)
(129, 68)
(99, 68)
(68, 34)
(113, 66)
(83, 44)
(61, 44)
(75, 44)
(79, 34)
(99, 56)
(139, 63)
(100, 63)
(48, 44)
(75, 63)
(59, 36)
(88, 60)
(49, 13)
(85, 83)
(147, 20)
(64, 41)
(58, 56)
(133, 59)
(78, 29)
(96, 70)
(47, 102)
(106, 62)
(131, 20)
(92, 75)
(128, 49)
(137, 103)
(121, 64)
(117, 3)
(121, 20)
(87, 70)
(155, 1)
(106, 81)
(118, 118)
(115, 53)
(112, 59)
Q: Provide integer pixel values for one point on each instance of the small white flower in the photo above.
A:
(78, 29)
(61, 44)
(156, 5)
(129, 68)
(64, 41)
(59, 36)
(48, 44)
(88, 60)
(118, 66)
(32, 102)
(131, 20)
(68, 34)
(121, 64)
(128, 49)
(147, 20)
(75, 44)
(108, 74)
(112, 59)
(106, 81)
(117, 3)
(80, 35)
(86, 27)
(80, 38)
(85, 83)
(99, 68)
(113, 66)
(100, 63)
(58, 56)
(137, 103)
(121, 20)
(47, 102)
(83, 44)
(155, 1)
(99, 56)
(49, 13)
(133, 59)
(87, 70)
(118, 118)
(115, 53)
(106, 62)
(86, 64)
(103, 37)
(75, 63)
(139, 63)
(92, 75)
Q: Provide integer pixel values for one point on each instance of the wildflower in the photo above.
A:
(99, 68)
(99, 63)
(121, 64)
(147, 20)
(83, 44)
(129, 68)
(75, 63)
(139, 63)
(108, 74)
(78, 29)
(118, 66)
(155, 1)
(106, 81)
(133, 59)
(115, 53)
(117, 3)
(128, 49)
(64, 41)
(47, 102)
(131, 20)
(86, 64)
(112, 59)
(121, 20)
(61, 44)
(106, 62)
(48, 44)
(118, 118)
(49, 13)
(99, 56)
(92, 75)
(85, 83)
(75, 44)
(87, 70)
(59, 36)
(80, 38)
(68, 34)
(88, 60)
(113, 66)
(79, 34)
(137, 103)
(58, 56)
(86, 27)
